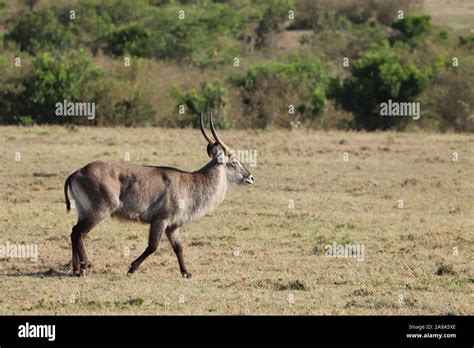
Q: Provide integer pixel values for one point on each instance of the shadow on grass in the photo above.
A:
(50, 273)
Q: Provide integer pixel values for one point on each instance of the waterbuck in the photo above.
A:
(164, 197)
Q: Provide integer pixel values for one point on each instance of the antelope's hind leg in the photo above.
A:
(93, 206)
(80, 262)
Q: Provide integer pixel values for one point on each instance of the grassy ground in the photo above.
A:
(456, 15)
(410, 266)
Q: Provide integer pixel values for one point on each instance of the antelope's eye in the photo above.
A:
(233, 162)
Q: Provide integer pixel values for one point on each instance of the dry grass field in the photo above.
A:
(254, 254)
(455, 14)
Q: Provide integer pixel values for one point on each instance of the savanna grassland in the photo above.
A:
(418, 259)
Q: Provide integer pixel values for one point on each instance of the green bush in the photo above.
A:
(268, 90)
(39, 31)
(120, 100)
(132, 39)
(275, 13)
(29, 95)
(412, 27)
(10, 88)
(212, 97)
(332, 22)
(90, 24)
(384, 11)
(131, 112)
(467, 41)
(357, 12)
(378, 76)
(211, 33)
(50, 81)
(340, 38)
(443, 36)
(208, 35)
(23, 120)
(449, 99)
(311, 13)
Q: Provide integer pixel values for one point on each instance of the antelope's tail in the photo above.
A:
(67, 185)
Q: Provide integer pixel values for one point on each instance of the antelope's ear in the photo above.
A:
(209, 150)
(216, 151)
(221, 158)
(213, 150)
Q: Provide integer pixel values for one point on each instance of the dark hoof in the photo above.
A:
(131, 270)
(79, 273)
(187, 275)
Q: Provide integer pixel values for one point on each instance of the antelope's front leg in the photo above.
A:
(173, 235)
(156, 231)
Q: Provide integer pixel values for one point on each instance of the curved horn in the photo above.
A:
(219, 141)
(201, 123)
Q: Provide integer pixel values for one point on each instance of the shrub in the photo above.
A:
(40, 30)
(207, 35)
(50, 81)
(386, 11)
(268, 90)
(23, 120)
(334, 22)
(311, 13)
(212, 97)
(344, 39)
(132, 38)
(357, 12)
(449, 99)
(131, 112)
(275, 12)
(308, 14)
(411, 27)
(10, 87)
(90, 24)
(378, 76)
(120, 101)
(467, 41)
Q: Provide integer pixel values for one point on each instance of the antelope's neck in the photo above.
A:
(212, 182)
(207, 192)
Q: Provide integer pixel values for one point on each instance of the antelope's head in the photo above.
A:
(236, 172)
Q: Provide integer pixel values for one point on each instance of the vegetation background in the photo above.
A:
(290, 73)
